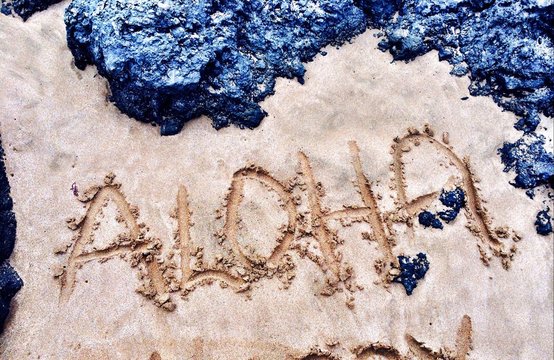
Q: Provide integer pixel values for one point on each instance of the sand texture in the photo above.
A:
(272, 243)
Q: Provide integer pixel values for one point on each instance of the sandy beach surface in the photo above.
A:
(270, 243)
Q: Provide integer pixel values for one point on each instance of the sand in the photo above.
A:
(270, 243)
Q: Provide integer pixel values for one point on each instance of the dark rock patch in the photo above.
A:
(411, 270)
(10, 282)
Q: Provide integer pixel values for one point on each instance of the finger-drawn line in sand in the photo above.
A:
(379, 350)
(155, 356)
(234, 200)
(378, 225)
(183, 224)
(190, 278)
(336, 351)
(475, 210)
(464, 338)
(322, 233)
(240, 270)
(135, 243)
(369, 212)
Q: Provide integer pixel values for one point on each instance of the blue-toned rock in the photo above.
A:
(506, 45)
(428, 219)
(24, 8)
(7, 218)
(452, 200)
(412, 270)
(7, 233)
(543, 223)
(10, 282)
(528, 158)
(171, 61)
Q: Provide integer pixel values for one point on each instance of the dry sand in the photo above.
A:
(271, 243)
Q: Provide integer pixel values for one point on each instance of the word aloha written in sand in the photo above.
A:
(181, 269)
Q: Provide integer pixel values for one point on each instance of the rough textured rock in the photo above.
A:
(428, 219)
(505, 45)
(543, 223)
(258, 42)
(10, 282)
(24, 8)
(412, 270)
(169, 62)
(196, 53)
(452, 202)
(531, 162)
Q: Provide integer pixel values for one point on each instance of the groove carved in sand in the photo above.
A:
(322, 233)
(135, 243)
(480, 222)
(382, 233)
(417, 350)
(234, 200)
(190, 278)
(369, 213)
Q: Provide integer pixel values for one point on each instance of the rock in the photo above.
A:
(169, 62)
(10, 282)
(543, 224)
(412, 270)
(25, 8)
